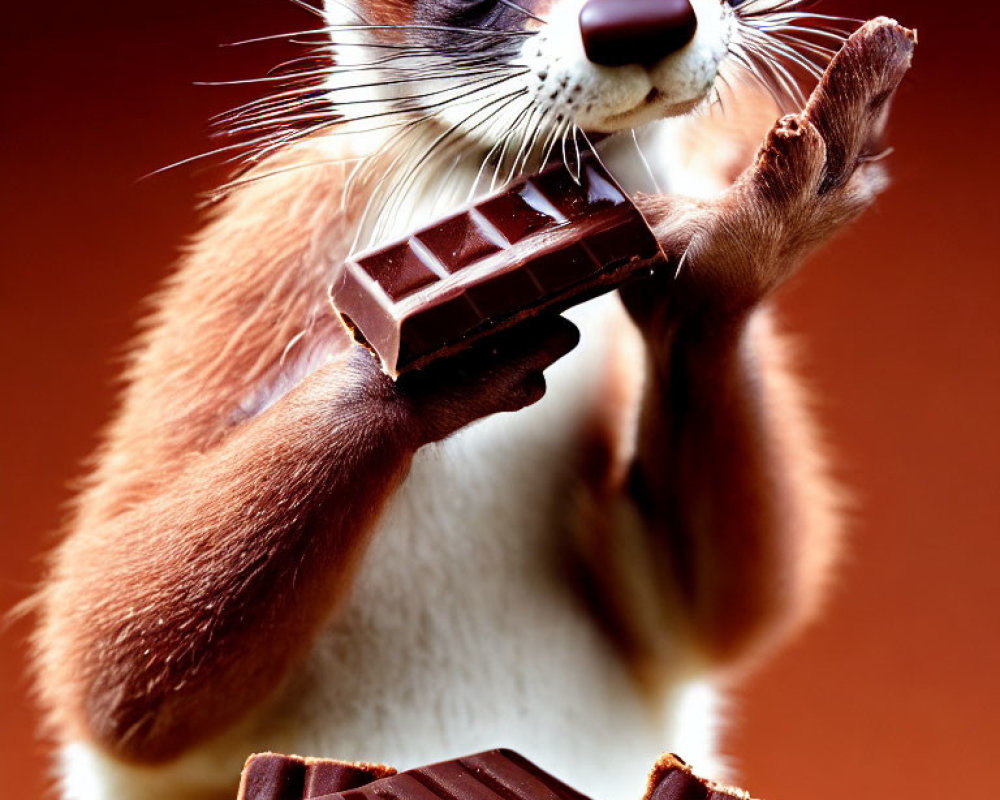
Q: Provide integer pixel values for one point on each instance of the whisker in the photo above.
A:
(285, 135)
(593, 150)
(642, 158)
(508, 138)
(487, 33)
(455, 127)
(523, 10)
(782, 50)
(524, 150)
(751, 70)
(247, 180)
(536, 133)
(296, 99)
(569, 125)
(556, 136)
(772, 40)
(307, 7)
(499, 150)
(476, 86)
(375, 195)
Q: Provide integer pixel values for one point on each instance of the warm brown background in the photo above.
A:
(901, 316)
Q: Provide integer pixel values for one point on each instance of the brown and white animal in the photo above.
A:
(279, 548)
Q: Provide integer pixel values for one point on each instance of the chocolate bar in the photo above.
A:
(493, 775)
(269, 776)
(543, 245)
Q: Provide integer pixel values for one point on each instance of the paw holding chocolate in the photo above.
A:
(485, 776)
(556, 239)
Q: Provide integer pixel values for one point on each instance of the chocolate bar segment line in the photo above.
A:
(493, 775)
(511, 775)
(499, 264)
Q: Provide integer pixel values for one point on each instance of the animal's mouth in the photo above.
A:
(655, 105)
(653, 98)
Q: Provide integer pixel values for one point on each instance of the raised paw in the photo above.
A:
(850, 106)
(815, 172)
(816, 153)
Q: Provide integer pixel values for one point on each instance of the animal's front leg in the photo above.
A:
(168, 622)
(727, 479)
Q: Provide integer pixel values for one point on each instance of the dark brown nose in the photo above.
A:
(618, 32)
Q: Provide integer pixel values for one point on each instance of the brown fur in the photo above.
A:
(728, 476)
(210, 544)
(212, 540)
(387, 12)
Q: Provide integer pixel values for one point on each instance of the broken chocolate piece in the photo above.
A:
(672, 779)
(541, 246)
(269, 776)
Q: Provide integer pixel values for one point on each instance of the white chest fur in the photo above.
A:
(464, 632)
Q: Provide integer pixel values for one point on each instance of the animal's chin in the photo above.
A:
(652, 108)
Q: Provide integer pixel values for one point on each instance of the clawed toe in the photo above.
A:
(791, 162)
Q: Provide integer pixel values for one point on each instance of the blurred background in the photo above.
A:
(894, 692)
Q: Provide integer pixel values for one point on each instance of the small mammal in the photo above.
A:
(278, 548)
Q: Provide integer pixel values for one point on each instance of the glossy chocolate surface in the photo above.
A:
(493, 775)
(544, 244)
(269, 776)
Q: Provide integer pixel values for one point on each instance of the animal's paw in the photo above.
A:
(850, 107)
(820, 164)
(815, 172)
(503, 373)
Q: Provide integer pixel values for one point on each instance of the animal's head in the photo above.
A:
(520, 68)
(507, 83)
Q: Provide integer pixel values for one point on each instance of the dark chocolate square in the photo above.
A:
(575, 200)
(619, 243)
(513, 217)
(561, 269)
(399, 271)
(457, 242)
(499, 295)
(428, 327)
